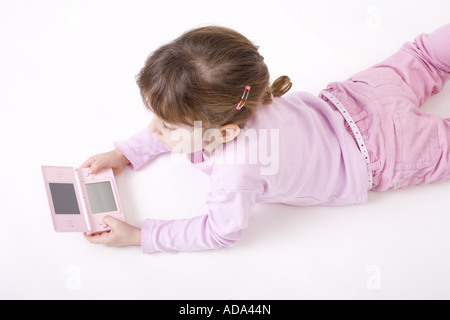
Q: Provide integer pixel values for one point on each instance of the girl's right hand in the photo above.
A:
(114, 159)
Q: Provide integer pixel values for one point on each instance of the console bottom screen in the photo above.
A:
(101, 197)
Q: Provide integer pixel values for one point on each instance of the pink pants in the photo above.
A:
(406, 146)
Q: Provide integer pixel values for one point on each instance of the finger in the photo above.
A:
(92, 238)
(97, 165)
(111, 222)
(99, 238)
(88, 163)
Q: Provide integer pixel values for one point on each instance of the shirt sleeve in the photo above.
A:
(228, 215)
(141, 148)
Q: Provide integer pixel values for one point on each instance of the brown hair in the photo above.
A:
(202, 75)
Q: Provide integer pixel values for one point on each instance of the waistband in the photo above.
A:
(328, 96)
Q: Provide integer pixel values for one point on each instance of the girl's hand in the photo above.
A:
(113, 159)
(121, 234)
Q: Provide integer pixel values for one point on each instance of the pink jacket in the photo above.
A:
(295, 151)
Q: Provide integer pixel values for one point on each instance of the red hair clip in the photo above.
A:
(244, 98)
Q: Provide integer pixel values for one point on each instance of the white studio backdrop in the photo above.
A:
(67, 91)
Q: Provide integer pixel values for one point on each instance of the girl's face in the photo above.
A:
(179, 138)
(186, 139)
(170, 134)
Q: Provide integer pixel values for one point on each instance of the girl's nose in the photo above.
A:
(154, 128)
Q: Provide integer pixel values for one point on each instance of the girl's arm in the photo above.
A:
(228, 215)
(135, 152)
(141, 148)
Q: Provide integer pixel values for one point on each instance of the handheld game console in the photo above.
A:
(79, 201)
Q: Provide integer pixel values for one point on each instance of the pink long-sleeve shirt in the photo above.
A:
(295, 151)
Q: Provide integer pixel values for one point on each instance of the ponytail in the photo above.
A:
(279, 87)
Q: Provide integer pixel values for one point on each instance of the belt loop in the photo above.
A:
(374, 166)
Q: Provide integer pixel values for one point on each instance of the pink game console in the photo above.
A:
(80, 201)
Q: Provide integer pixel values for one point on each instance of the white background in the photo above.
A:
(67, 91)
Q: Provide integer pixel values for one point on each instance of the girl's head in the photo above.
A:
(202, 75)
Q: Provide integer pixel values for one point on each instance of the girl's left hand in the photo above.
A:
(121, 234)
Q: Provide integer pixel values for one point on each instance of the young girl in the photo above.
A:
(210, 94)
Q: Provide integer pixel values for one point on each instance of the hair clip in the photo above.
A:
(244, 98)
